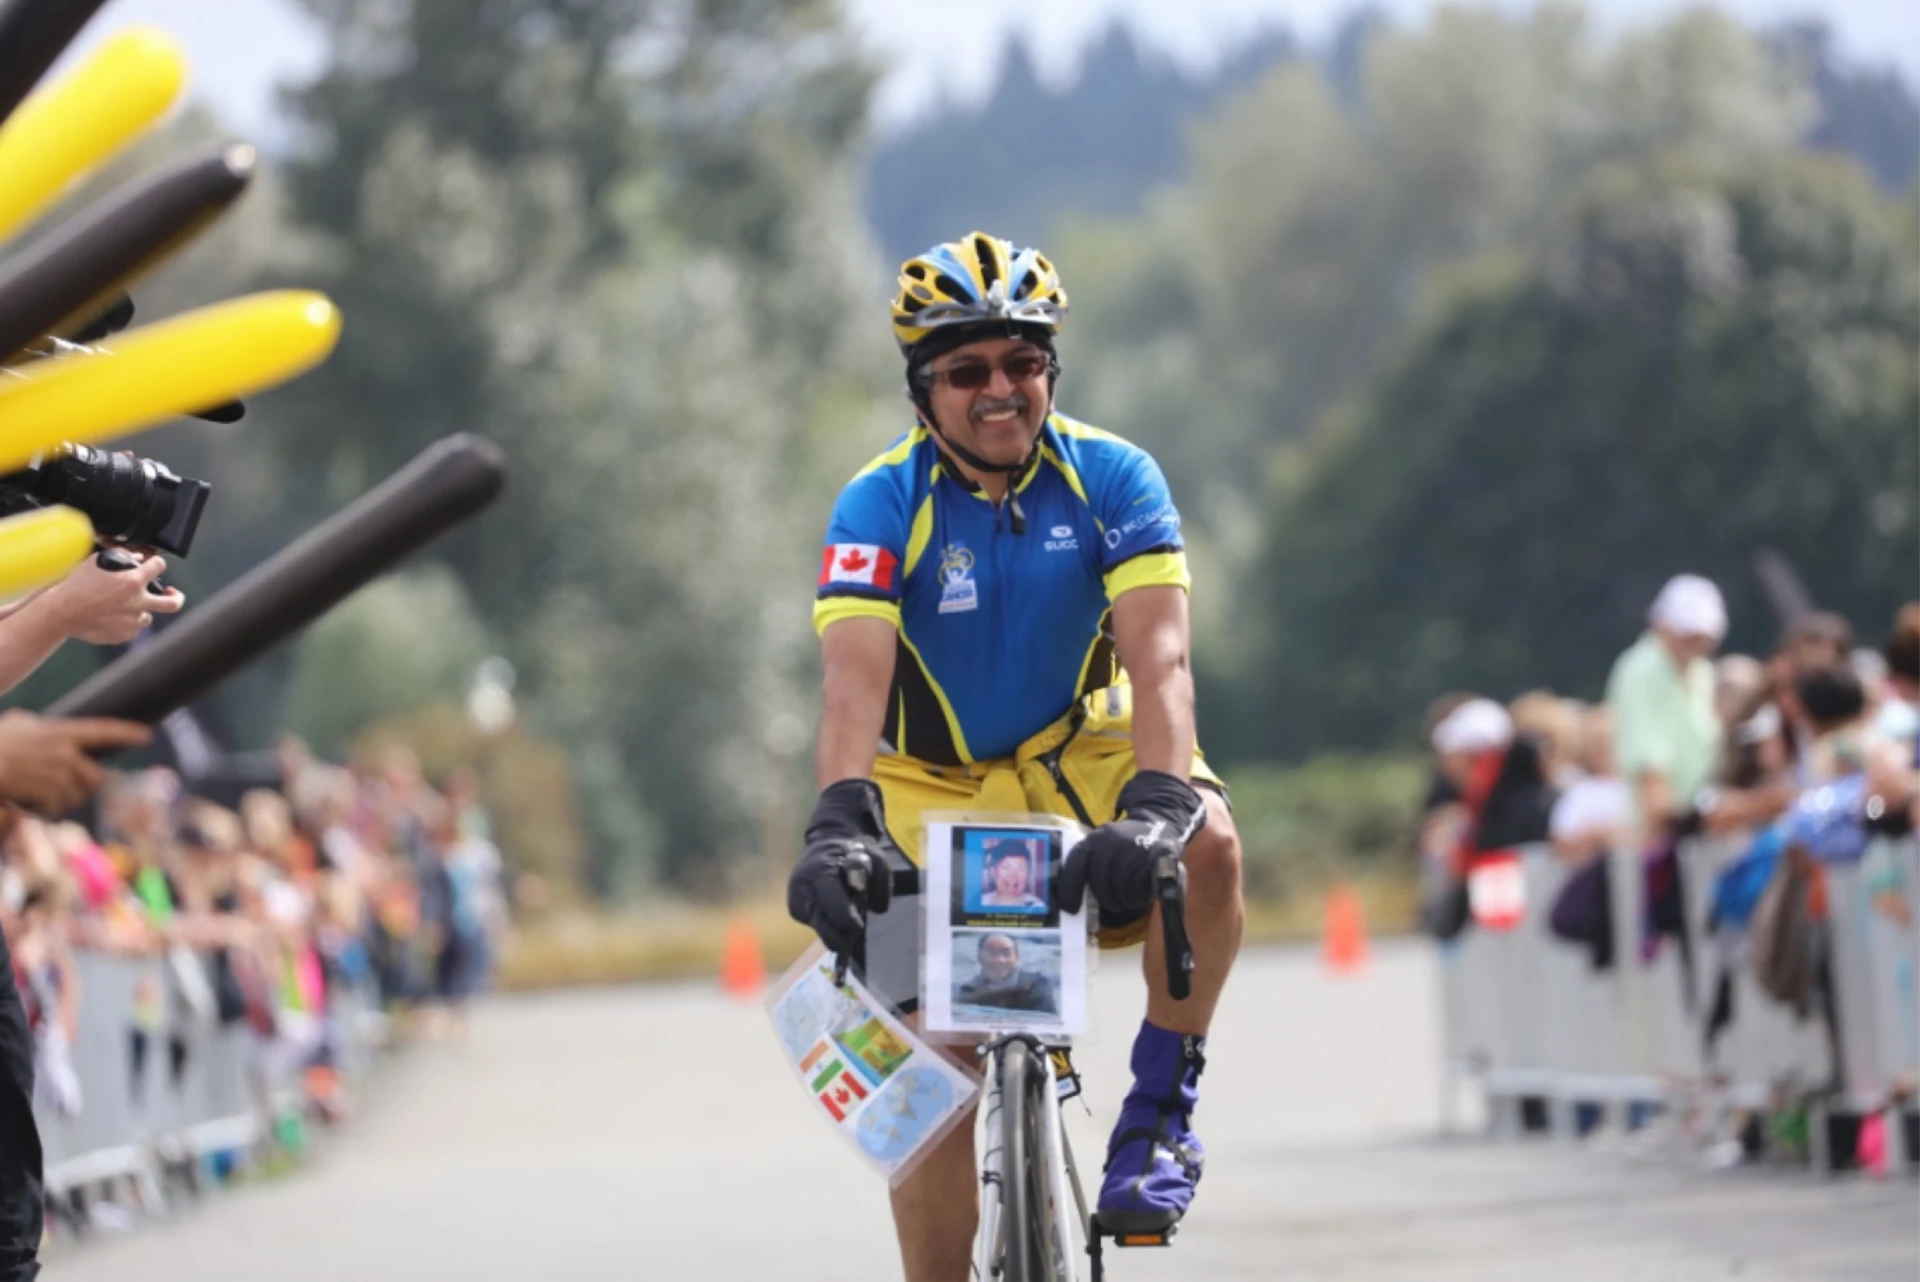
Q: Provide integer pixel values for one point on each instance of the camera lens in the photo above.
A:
(129, 500)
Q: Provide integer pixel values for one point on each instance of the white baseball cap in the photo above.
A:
(1691, 607)
(1478, 725)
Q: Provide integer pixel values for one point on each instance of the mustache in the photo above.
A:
(1018, 403)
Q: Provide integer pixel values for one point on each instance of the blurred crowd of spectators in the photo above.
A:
(1685, 742)
(1786, 764)
(369, 879)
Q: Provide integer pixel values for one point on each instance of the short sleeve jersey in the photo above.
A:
(999, 631)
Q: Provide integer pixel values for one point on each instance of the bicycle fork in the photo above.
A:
(1061, 1172)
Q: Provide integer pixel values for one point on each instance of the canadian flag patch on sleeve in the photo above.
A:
(865, 565)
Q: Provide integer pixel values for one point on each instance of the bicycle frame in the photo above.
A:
(1071, 1223)
(1073, 1226)
(1056, 1154)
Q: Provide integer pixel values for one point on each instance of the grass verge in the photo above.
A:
(685, 942)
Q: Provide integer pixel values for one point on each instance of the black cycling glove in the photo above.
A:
(847, 818)
(1158, 814)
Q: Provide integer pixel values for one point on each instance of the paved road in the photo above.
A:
(654, 1133)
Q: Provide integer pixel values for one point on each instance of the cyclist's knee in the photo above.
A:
(1213, 856)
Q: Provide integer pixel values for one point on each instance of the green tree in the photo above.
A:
(1266, 287)
(398, 643)
(619, 239)
(1697, 364)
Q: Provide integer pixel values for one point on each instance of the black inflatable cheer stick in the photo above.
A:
(448, 482)
(73, 274)
(32, 35)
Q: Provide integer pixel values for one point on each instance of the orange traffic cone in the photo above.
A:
(1343, 946)
(743, 972)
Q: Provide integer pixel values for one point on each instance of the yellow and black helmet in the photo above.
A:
(978, 279)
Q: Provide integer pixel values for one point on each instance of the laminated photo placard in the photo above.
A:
(888, 1094)
(999, 956)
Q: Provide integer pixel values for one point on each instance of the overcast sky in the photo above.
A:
(950, 48)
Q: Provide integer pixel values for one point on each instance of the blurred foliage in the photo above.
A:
(404, 639)
(1870, 114)
(1698, 364)
(1256, 306)
(1031, 153)
(1302, 354)
(1305, 827)
(1103, 143)
(605, 235)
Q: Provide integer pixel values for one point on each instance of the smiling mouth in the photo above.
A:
(1001, 413)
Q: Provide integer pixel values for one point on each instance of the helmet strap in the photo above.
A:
(1015, 513)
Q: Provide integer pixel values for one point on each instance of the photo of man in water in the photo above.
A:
(1002, 982)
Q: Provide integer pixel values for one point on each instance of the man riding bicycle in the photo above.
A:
(1002, 607)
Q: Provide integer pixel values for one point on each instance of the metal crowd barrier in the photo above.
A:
(1528, 1021)
(161, 1083)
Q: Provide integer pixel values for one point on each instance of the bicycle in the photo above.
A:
(1033, 1206)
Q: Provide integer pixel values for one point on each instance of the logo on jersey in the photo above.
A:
(864, 565)
(1165, 515)
(1062, 540)
(958, 591)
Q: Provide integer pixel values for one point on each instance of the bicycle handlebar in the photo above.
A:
(1170, 891)
(871, 894)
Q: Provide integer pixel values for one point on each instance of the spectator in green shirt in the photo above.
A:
(1667, 735)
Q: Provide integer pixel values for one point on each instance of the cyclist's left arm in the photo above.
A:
(1150, 630)
(1146, 578)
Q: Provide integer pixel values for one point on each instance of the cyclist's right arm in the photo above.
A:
(842, 874)
(857, 657)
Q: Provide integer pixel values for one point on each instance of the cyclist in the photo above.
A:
(1002, 606)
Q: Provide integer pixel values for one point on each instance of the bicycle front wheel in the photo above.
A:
(1028, 1200)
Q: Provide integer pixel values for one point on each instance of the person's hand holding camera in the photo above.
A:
(107, 606)
(46, 765)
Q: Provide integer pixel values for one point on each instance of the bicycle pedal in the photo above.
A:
(1126, 1234)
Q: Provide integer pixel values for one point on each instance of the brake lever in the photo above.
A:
(1170, 889)
(856, 872)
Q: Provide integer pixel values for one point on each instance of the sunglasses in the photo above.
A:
(971, 376)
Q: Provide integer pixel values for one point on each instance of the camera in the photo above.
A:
(130, 500)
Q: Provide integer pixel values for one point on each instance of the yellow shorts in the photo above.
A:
(1074, 768)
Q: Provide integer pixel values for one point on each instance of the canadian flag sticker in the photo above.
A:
(839, 1090)
(863, 564)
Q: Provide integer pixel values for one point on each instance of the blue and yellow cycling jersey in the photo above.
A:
(1000, 632)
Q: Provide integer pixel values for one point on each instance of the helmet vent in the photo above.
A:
(917, 270)
(1028, 283)
(950, 287)
(989, 263)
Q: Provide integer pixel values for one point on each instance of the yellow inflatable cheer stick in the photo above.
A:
(163, 370)
(38, 547)
(60, 133)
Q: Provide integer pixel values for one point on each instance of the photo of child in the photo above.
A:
(1004, 872)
